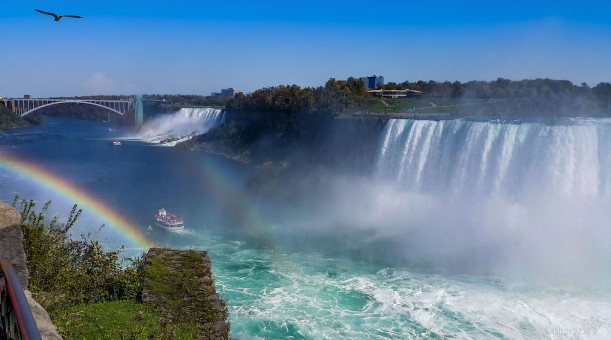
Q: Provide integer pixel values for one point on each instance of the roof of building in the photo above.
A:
(394, 91)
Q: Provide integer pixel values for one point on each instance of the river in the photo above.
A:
(466, 229)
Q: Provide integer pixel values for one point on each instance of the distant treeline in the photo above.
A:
(540, 97)
(502, 97)
(187, 100)
(336, 96)
(502, 88)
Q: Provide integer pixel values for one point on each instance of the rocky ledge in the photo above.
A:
(180, 283)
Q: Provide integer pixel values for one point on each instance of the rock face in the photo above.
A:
(43, 321)
(180, 283)
(11, 241)
(11, 248)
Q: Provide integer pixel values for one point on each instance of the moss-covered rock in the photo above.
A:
(180, 283)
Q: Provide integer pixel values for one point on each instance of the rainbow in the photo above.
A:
(232, 200)
(71, 192)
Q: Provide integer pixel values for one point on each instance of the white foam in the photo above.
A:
(171, 129)
(296, 297)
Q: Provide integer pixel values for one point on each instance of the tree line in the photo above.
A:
(529, 97)
(501, 88)
(188, 100)
(335, 97)
(523, 97)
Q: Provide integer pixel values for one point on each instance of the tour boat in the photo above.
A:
(168, 221)
(116, 143)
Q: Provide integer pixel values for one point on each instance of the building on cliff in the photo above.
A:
(373, 81)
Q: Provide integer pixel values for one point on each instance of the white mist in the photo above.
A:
(170, 129)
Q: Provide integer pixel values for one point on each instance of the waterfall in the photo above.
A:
(527, 199)
(509, 160)
(173, 128)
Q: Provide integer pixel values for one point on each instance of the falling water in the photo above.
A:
(520, 198)
(489, 158)
(173, 128)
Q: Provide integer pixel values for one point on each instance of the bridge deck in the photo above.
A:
(24, 106)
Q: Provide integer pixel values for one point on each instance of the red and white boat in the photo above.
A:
(168, 221)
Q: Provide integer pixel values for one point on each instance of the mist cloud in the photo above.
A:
(98, 83)
(528, 202)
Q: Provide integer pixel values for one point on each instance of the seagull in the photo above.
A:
(57, 17)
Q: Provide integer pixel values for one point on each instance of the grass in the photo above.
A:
(117, 320)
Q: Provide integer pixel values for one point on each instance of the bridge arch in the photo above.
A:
(71, 101)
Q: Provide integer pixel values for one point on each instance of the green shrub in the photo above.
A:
(63, 271)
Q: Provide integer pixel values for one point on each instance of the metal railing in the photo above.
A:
(16, 320)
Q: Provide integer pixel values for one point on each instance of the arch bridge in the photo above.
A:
(24, 106)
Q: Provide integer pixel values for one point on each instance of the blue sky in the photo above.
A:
(196, 47)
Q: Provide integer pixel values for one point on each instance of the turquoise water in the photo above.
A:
(364, 258)
(277, 295)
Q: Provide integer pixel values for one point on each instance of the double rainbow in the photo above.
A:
(89, 203)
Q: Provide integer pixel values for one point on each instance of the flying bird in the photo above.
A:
(57, 17)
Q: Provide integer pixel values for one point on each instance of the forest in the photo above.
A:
(538, 97)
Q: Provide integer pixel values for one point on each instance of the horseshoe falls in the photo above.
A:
(514, 161)
(170, 129)
(529, 200)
